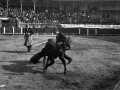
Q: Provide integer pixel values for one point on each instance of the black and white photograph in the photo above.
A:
(59, 44)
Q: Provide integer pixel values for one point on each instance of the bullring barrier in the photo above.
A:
(73, 30)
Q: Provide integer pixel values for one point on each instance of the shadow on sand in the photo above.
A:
(2, 39)
(21, 67)
(73, 79)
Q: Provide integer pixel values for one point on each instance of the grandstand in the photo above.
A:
(85, 17)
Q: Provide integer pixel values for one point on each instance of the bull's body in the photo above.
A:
(52, 50)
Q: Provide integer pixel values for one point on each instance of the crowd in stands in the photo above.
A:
(51, 15)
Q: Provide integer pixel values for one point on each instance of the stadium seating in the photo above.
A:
(51, 15)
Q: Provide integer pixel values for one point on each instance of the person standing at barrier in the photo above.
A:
(28, 38)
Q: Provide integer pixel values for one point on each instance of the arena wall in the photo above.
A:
(67, 31)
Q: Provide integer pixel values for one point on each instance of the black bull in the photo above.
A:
(52, 50)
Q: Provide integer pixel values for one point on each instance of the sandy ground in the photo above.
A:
(95, 65)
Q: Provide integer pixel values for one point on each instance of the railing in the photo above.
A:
(73, 29)
(68, 31)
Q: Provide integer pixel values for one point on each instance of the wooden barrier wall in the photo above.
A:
(71, 31)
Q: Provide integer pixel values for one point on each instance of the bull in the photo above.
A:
(53, 50)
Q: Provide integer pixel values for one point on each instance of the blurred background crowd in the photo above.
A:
(54, 15)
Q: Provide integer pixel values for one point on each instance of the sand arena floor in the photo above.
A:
(95, 65)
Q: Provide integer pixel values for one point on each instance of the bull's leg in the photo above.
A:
(51, 62)
(68, 58)
(45, 62)
(64, 63)
(44, 59)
